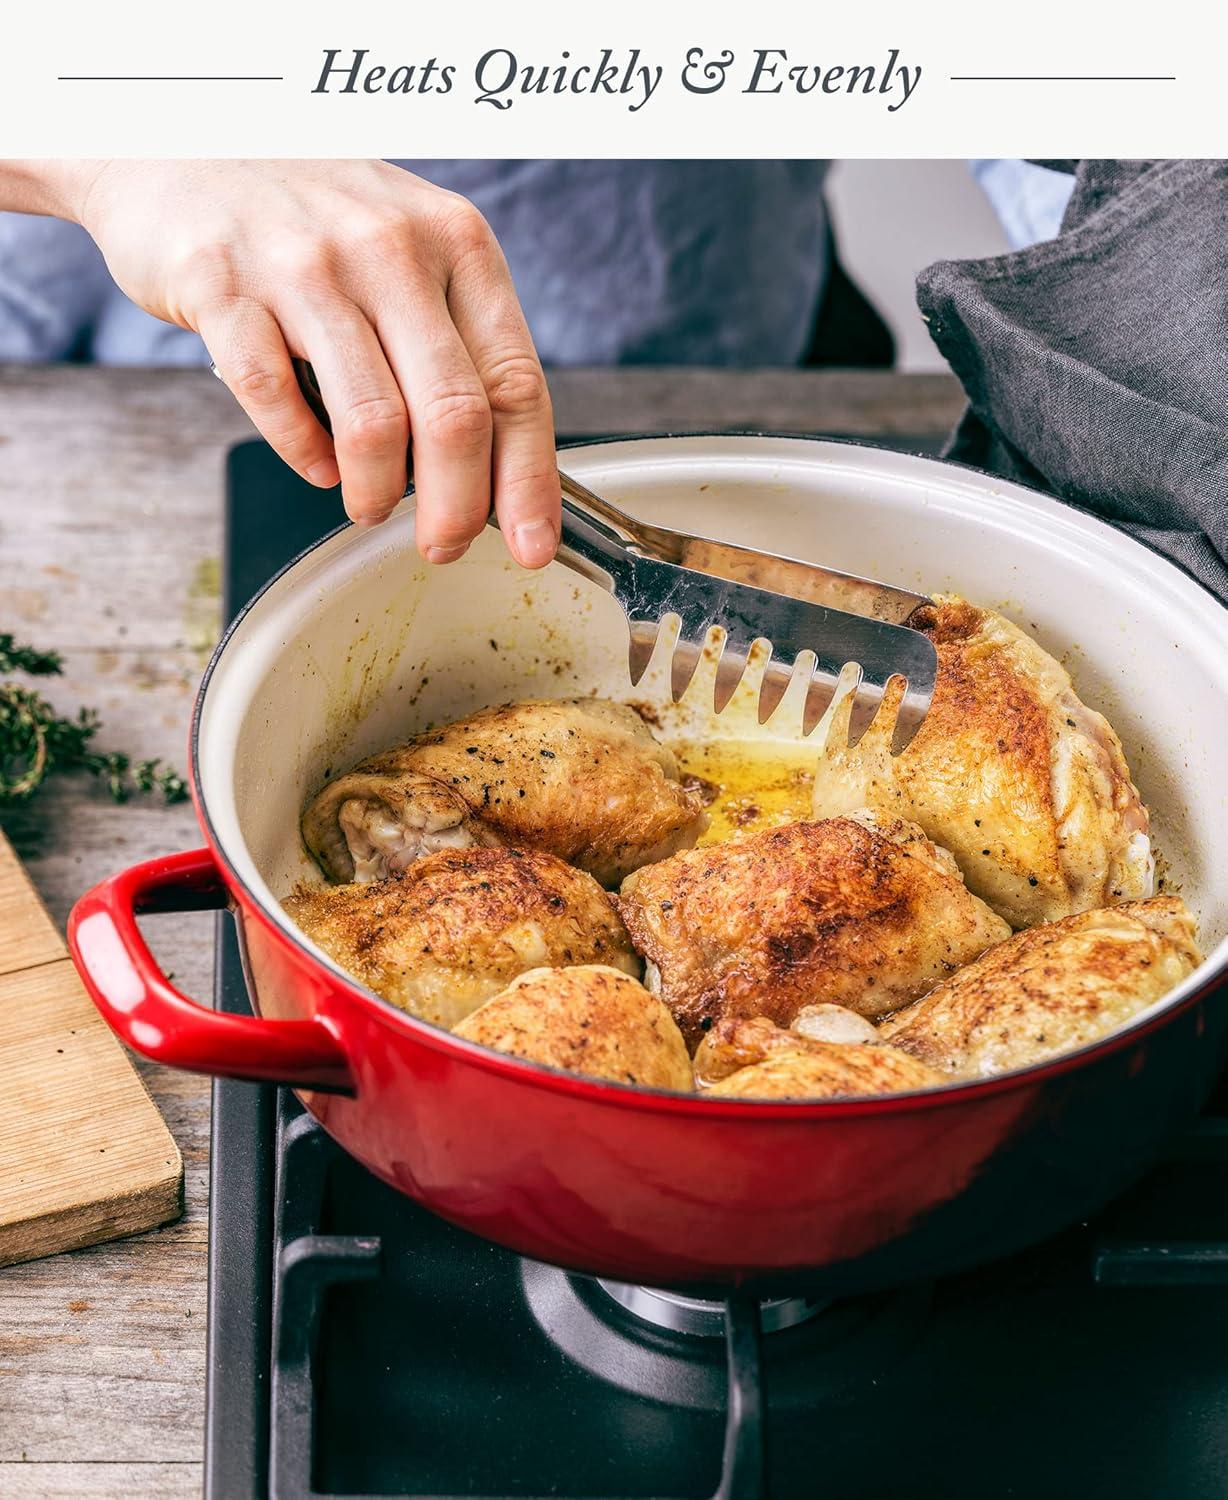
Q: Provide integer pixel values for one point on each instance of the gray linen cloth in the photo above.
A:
(1096, 364)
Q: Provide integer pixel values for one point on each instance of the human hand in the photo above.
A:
(397, 293)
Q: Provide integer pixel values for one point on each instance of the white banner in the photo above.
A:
(483, 79)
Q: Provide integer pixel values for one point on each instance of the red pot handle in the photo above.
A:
(151, 1015)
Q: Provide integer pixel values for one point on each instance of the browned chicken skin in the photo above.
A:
(755, 1058)
(582, 779)
(592, 1020)
(847, 911)
(446, 934)
(1026, 786)
(1050, 989)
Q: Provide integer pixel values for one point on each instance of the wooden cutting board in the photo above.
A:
(84, 1154)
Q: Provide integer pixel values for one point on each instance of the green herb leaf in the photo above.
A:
(36, 742)
(14, 658)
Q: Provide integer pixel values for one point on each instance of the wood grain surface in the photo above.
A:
(110, 539)
(84, 1153)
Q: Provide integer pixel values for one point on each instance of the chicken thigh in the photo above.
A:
(446, 934)
(755, 1058)
(1026, 786)
(582, 779)
(863, 911)
(591, 1019)
(1050, 989)
(368, 824)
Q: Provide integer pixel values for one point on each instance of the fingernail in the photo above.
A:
(535, 542)
(369, 519)
(445, 554)
(325, 474)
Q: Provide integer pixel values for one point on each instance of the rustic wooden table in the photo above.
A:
(110, 538)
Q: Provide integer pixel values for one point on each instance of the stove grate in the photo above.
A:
(309, 1263)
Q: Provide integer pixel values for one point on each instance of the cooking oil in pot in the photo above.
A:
(749, 784)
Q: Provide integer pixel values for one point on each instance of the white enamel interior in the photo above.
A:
(361, 644)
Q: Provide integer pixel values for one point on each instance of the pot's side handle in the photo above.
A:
(140, 1004)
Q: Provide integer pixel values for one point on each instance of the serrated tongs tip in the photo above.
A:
(737, 611)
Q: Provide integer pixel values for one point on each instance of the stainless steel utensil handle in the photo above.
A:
(654, 541)
(809, 582)
(595, 546)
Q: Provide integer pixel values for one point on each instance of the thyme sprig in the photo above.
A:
(37, 742)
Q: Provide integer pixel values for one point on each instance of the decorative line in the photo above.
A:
(170, 78)
(1063, 78)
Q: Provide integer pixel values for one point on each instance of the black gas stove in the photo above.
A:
(360, 1346)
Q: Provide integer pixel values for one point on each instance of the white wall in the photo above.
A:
(893, 218)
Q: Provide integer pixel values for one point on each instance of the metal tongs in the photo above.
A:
(850, 634)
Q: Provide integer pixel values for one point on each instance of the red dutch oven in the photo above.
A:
(357, 643)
